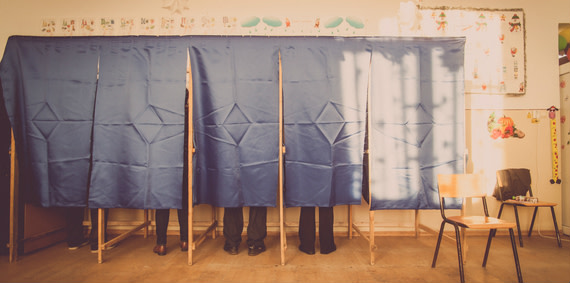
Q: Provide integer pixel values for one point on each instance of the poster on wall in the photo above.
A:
(495, 47)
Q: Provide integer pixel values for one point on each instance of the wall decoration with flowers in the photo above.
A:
(503, 127)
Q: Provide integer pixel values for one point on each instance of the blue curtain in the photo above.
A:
(417, 113)
(138, 133)
(129, 125)
(236, 99)
(48, 86)
(324, 88)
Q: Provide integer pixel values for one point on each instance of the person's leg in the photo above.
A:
(307, 230)
(326, 235)
(74, 225)
(233, 227)
(257, 230)
(183, 222)
(162, 216)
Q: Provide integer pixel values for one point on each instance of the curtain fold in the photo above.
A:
(138, 133)
(324, 90)
(236, 100)
(48, 86)
(417, 113)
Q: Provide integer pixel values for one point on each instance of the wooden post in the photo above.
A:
(146, 221)
(367, 152)
(349, 221)
(14, 204)
(189, 154)
(282, 235)
(101, 233)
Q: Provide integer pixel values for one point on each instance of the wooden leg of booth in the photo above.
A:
(101, 234)
(214, 221)
(200, 239)
(350, 222)
(282, 234)
(104, 245)
(146, 221)
(13, 241)
(190, 229)
(372, 247)
(417, 222)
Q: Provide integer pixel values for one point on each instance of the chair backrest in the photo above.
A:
(512, 182)
(460, 185)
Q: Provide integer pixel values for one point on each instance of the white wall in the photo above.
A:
(24, 17)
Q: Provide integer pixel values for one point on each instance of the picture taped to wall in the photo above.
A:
(495, 57)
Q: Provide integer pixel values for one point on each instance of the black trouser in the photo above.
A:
(307, 233)
(162, 217)
(93, 236)
(256, 229)
(74, 225)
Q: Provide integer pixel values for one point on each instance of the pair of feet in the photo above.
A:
(94, 246)
(251, 250)
(161, 249)
(312, 251)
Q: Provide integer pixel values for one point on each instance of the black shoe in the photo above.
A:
(159, 249)
(253, 250)
(309, 252)
(75, 247)
(95, 247)
(328, 251)
(231, 250)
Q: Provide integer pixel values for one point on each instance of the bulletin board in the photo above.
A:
(495, 57)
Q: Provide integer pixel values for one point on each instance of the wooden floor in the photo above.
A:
(398, 259)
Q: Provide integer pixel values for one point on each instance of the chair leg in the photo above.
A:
(459, 253)
(518, 225)
(516, 255)
(532, 222)
(437, 245)
(491, 233)
(499, 216)
(556, 227)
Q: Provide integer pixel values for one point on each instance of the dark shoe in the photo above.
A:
(95, 247)
(253, 250)
(328, 251)
(77, 246)
(159, 249)
(184, 246)
(309, 252)
(231, 250)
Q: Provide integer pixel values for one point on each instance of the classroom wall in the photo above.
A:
(486, 155)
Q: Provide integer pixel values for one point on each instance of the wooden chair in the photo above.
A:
(505, 182)
(470, 186)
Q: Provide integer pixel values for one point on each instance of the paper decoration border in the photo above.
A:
(495, 55)
(206, 25)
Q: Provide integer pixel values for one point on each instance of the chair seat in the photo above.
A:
(530, 204)
(482, 222)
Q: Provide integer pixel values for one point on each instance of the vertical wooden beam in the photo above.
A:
(371, 238)
(282, 235)
(367, 152)
(146, 222)
(349, 221)
(14, 205)
(189, 154)
(417, 222)
(101, 233)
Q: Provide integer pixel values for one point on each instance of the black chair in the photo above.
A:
(517, 182)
